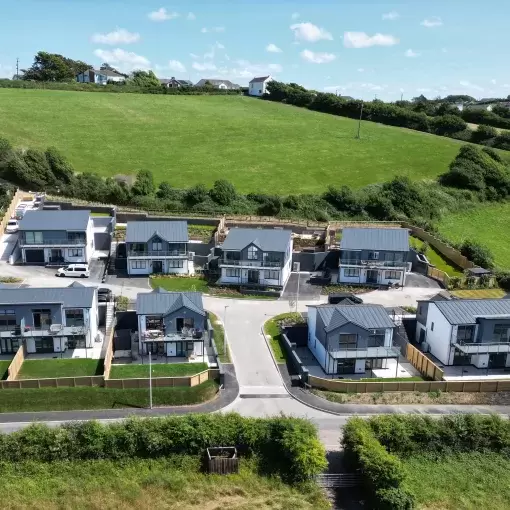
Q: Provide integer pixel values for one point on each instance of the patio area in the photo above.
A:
(93, 352)
(460, 373)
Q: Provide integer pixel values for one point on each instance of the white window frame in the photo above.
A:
(373, 255)
(138, 264)
(175, 264)
(75, 252)
(253, 252)
(233, 273)
(349, 270)
(271, 274)
(157, 246)
(388, 274)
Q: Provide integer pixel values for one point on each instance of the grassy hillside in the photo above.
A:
(488, 224)
(258, 145)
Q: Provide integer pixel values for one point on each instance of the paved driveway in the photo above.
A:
(421, 281)
(307, 292)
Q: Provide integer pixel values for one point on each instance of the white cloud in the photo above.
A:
(193, 55)
(371, 86)
(363, 40)
(469, 85)
(162, 15)
(125, 61)
(434, 21)
(361, 70)
(411, 54)
(206, 66)
(295, 15)
(212, 52)
(219, 46)
(245, 70)
(191, 16)
(213, 29)
(310, 32)
(317, 58)
(423, 90)
(119, 36)
(272, 48)
(444, 50)
(493, 82)
(175, 65)
(391, 16)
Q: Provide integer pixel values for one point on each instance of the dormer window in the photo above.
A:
(252, 253)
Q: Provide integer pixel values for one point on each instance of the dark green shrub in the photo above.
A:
(223, 192)
(477, 253)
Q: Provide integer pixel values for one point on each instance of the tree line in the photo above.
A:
(446, 122)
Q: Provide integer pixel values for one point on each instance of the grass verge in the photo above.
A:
(4, 365)
(437, 259)
(138, 371)
(272, 329)
(219, 338)
(44, 369)
(173, 483)
(68, 399)
(467, 481)
(479, 293)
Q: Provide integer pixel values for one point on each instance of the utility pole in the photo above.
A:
(17, 68)
(298, 269)
(359, 122)
(401, 96)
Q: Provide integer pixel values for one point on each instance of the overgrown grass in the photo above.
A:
(201, 232)
(4, 365)
(68, 399)
(488, 224)
(468, 481)
(479, 293)
(273, 331)
(219, 337)
(138, 371)
(48, 368)
(199, 139)
(174, 483)
(180, 284)
(437, 259)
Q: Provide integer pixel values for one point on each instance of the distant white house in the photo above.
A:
(99, 76)
(258, 86)
(217, 84)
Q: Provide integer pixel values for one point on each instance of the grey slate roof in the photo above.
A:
(259, 78)
(383, 239)
(466, 311)
(170, 231)
(364, 316)
(216, 83)
(265, 239)
(70, 297)
(163, 302)
(55, 220)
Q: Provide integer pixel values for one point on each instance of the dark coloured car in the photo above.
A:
(104, 295)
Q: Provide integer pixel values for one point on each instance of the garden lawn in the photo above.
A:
(219, 337)
(49, 368)
(179, 284)
(137, 371)
(272, 330)
(201, 232)
(487, 224)
(173, 483)
(68, 399)
(469, 481)
(198, 139)
(479, 293)
(4, 365)
(437, 259)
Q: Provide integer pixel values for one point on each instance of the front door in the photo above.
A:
(157, 266)
(56, 255)
(253, 276)
(42, 319)
(372, 276)
(497, 360)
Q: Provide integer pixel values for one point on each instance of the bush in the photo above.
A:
(287, 447)
(477, 253)
(484, 133)
(223, 192)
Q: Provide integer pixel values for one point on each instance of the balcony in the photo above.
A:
(54, 242)
(366, 352)
(186, 335)
(55, 330)
(373, 263)
(250, 263)
(157, 253)
(482, 347)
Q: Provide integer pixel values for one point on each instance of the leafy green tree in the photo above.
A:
(54, 67)
(483, 133)
(40, 171)
(144, 79)
(448, 124)
(477, 253)
(379, 207)
(144, 184)
(343, 199)
(164, 191)
(195, 195)
(502, 111)
(223, 192)
(60, 166)
(272, 206)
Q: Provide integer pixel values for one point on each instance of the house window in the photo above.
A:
(176, 264)
(465, 333)
(260, 91)
(252, 253)
(7, 319)
(351, 273)
(42, 318)
(393, 275)
(376, 338)
(373, 255)
(44, 345)
(233, 273)
(432, 327)
(74, 317)
(157, 246)
(33, 237)
(347, 341)
(138, 264)
(272, 275)
(76, 342)
(501, 333)
(153, 322)
(75, 252)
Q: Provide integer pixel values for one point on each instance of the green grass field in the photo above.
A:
(219, 337)
(172, 483)
(178, 284)
(437, 259)
(44, 369)
(158, 370)
(487, 224)
(469, 481)
(258, 145)
(4, 365)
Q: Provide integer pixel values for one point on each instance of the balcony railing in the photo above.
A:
(54, 330)
(156, 253)
(188, 335)
(54, 242)
(250, 263)
(373, 263)
(366, 352)
(471, 347)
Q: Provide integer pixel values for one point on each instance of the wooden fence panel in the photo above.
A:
(17, 361)
(423, 364)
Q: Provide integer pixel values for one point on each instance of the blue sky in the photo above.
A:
(362, 48)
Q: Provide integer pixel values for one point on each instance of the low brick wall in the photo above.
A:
(424, 365)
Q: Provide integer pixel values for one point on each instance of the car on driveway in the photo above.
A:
(12, 226)
(74, 271)
(104, 294)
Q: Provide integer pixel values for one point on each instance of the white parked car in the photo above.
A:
(75, 271)
(12, 226)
